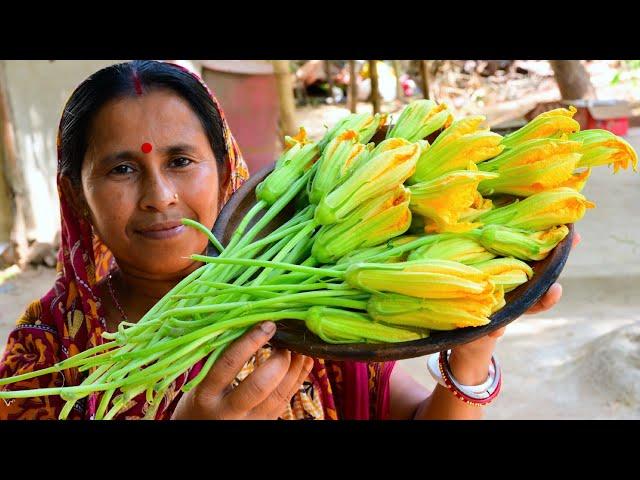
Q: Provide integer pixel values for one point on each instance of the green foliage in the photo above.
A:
(630, 68)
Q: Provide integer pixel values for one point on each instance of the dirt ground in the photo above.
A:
(17, 291)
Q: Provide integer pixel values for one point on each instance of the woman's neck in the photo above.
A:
(145, 289)
(136, 294)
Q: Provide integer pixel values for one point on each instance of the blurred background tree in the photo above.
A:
(573, 79)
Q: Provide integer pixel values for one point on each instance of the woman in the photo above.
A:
(140, 146)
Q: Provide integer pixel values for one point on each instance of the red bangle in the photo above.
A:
(467, 397)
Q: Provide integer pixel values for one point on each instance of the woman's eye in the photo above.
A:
(122, 170)
(181, 162)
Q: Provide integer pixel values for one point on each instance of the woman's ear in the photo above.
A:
(75, 197)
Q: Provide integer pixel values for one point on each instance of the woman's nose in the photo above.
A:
(158, 193)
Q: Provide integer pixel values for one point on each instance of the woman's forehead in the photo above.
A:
(158, 117)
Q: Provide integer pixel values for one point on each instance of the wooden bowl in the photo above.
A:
(294, 336)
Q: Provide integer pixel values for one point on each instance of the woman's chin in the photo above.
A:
(169, 271)
(161, 261)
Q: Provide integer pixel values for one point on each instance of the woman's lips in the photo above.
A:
(161, 231)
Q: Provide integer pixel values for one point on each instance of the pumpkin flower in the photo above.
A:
(435, 314)
(601, 147)
(463, 126)
(364, 124)
(541, 211)
(423, 278)
(374, 222)
(294, 161)
(531, 167)
(479, 206)
(334, 325)
(337, 158)
(420, 119)
(445, 198)
(460, 249)
(518, 243)
(380, 173)
(577, 181)
(553, 123)
(456, 154)
(507, 272)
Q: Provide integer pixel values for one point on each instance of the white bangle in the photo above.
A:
(434, 370)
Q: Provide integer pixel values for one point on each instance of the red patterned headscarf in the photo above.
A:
(70, 319)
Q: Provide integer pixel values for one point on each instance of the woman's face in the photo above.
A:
(148, 164)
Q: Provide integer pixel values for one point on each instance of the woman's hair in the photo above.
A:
(131, 79)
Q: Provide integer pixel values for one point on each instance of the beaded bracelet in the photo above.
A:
(477, 395)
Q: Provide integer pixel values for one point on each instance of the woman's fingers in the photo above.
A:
(260, 384)
(306, 370)
(227, 367)
(274, 405)
(497, 333)
(548, 300)
(577, 238)
(555, 292)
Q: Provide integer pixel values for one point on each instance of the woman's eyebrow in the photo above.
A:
(178, 148)
(132, 155)
(118, 157)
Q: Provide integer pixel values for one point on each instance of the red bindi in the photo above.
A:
(146, 147)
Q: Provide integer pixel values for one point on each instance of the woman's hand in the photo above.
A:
(470, 362)
(264, 394)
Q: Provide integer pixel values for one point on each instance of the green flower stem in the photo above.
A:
(294, 256)
(232, 335)
(104, 403)
(276, 287)
(170, 357)
(419, 242)
(70, 362)
(119, 368)
(237, 235)
(227, 288)
(293, 243)
(181, 312)
(108, 394)
(162, 377)
(249, 272)
(221, 341)
(339, 302)
(162, 303)
(275, 209)
(155, 404)
(183, 367)
(76, 392)
(117, 406)
(68, 406)
(268, 255)
(170, 370)
(209, 330)
(207, 366)
(232, 270)
(291, 227)
(250, 251)
(123, 332)
(240, 239)
(129, 366)
(198, 226)
(312, 262)
(258, 263)
(96, 361)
